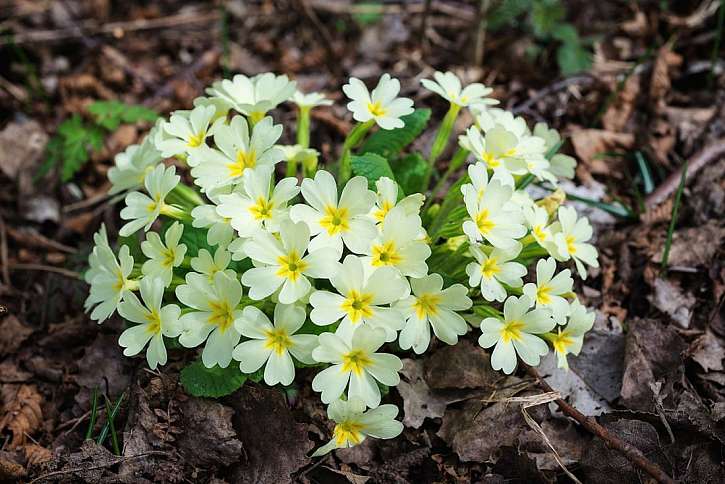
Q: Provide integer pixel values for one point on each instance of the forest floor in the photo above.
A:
(652, 370)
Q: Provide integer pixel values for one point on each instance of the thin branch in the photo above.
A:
(709, 153)
(90, 28)
(45, 268)
(632, 453)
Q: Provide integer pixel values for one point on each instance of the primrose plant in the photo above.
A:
(354, 265)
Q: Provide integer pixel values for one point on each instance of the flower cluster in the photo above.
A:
(272, 273)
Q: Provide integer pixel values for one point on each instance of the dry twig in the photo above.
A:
(632, 453)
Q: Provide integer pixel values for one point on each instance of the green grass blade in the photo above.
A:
(673, 220)
(94, 414)
(109, 419)
(644, 171)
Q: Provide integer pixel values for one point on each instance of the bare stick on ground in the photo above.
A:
(632, 453)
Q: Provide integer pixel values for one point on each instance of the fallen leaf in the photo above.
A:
(708, 351)
(604, 465)
(476, 431)
(600, 364)
(36, 454)
(464, 365)
(22, 414)
(275, 444)
(619, 112)
(572, 387)
(12, 334)
(208, 438)
(565, 438)
(104, 362)
(21, 146)
(653, 364)
(419, 402)
(10, 469)
(660, 82)
(588, 143)
(693, 246)
(673, 301)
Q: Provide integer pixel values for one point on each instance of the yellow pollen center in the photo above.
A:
(169, 256)
(336, 220)
(376, 109)
(262, 210)
(347, 432)
(120, 281)
(385, 255)
(221, 315)
(490, 160)
(382, 211)
(196, 140)
(570, 244)
(244, 160)
(483, 222)
(154, 322)
(357, 306)
(355, 361)
(490, 268)
(561, 342)
(511, 331)
(426, 305)
(278, 340)
(539, 232)
(291, 266)
(543, 295)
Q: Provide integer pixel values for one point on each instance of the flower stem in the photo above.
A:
(176, 212)
(185, 196)
(441, 141)
(458, 159)
(303, 127)
(353, 139)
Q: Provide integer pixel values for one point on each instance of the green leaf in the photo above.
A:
(371, 16)
(372, 166)
(193, 237)
(410, 172)
(572, 57)
(214, 382)
(110, 114)
(390, 142)
(546, 15)
(506, 13)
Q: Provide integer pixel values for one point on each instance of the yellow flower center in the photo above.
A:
(483, 222)
(262, 210)
(490, 268)
(561, 342)
(154, 322)
(382, 211)
(357, 305)
(291, 266)
(511, 331)
(543, 295)
(244, 160)
(376, 109)
(196, 140)
(221, 315)
(120, 283)
(347, 433)
(426, 305)
(278, 340)
(256, 116)
(490, 160)
(335, 220)
(169, 256)
(385, 254)
(570, 246)
(539, 232)
(355, 361)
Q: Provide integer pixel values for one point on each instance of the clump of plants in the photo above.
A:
(340, 265)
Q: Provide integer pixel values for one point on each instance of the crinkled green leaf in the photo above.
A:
(372, 166)
(110, 114)
(410, 172)
(214, 382)
(506, 13)
(390, 142)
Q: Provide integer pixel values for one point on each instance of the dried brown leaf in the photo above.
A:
(22, 414)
